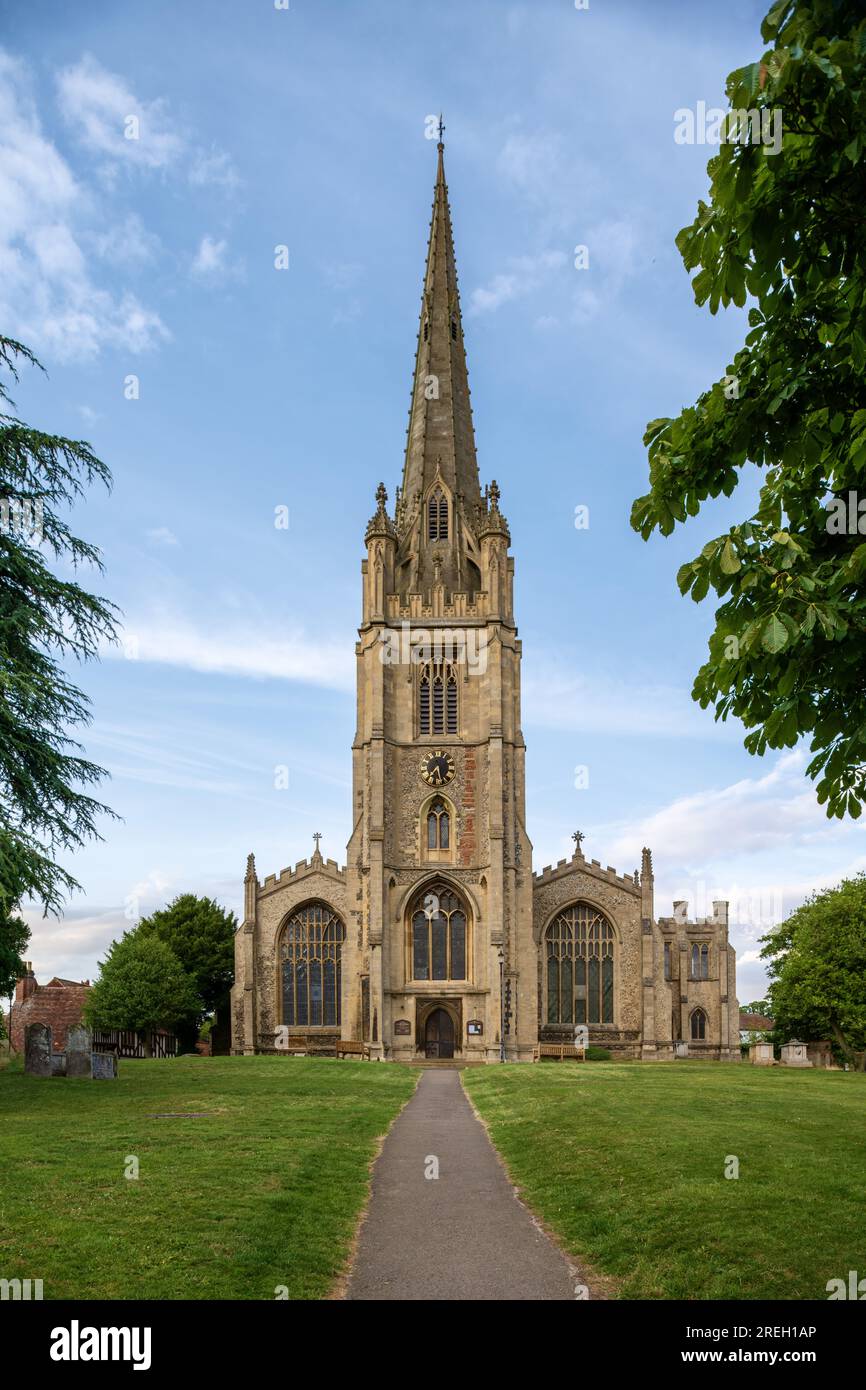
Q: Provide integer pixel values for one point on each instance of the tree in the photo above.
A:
(202, 936)
(142, 985)
(46, 809)
(788, 655)
(14, 935)
(818, 970)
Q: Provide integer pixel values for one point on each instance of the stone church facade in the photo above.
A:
(436, 939)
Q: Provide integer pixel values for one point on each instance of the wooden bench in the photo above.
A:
(559, 1052)
(353, 1049)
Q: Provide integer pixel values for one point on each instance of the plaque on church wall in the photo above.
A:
(475, 1027)
(402, 1027)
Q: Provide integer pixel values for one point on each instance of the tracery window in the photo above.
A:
(700, 962)
(438, 826)
(698, 1026)
(439, 920)
(667, 960)
(580, 957)
(437, 516)
(437, 698)
(309, 955)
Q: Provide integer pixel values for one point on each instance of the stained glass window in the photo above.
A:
(438, 935)
(309, 955)
(699, 1026)
(580, 967)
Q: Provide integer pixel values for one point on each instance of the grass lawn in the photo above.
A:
(264, 1190)
(625, 1162)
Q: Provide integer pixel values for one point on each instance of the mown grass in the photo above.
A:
(626, 1165)
(264, 1190)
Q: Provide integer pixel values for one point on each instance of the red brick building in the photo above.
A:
(60, 1004)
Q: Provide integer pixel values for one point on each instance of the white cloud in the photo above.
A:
(210, 258)
(523, 275)
(127, 243)
(161, 535)
(48, 297)
(596, 703)
(259, 654)
(110, 120)
(215, 169)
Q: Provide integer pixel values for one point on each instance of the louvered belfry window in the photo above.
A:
(437, 516)
(437, 698)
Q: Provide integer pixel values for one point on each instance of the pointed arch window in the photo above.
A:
(439, 826)
(437, 698)
(700, 962)
(439, 936)
(698, 1026)
(309, 956)
(580, 961)
(437, 516)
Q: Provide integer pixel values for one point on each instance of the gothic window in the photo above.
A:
(437, 698)
(580, 954)
(698, 1026)
(426, 329)
(438, 826)
(700, 963)
(309, 954)
(454, 327)
(667, 960)
(438, 934)
(437, 516)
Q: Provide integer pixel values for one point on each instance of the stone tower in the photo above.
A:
(439, 957)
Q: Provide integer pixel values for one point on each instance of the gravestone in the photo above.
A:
(103, 1066)
(58, 1064)
(682, 1049)
(37, 1049)
(79, 1045)
(761, 1054)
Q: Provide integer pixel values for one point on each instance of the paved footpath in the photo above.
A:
(463, 1235)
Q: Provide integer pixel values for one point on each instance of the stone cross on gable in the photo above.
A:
(578, 838)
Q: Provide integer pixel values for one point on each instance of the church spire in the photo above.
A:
(440, 436)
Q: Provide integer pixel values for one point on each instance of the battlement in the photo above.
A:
(680, 918)
(304, 867)
(578, 863)
(461, 606)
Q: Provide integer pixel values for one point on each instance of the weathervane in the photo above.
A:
(317, 837)
(441, 129)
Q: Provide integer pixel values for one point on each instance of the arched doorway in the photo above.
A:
(439, 1034)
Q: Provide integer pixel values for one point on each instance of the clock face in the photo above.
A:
(437, 768)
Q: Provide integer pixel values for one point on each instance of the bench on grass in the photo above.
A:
(559, 1052)
(353, 1049)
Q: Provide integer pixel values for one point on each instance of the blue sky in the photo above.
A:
(261, 388)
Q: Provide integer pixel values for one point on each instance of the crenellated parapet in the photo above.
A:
(593, 867)
(303, 869)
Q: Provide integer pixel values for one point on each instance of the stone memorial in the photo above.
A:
(58, 1064)
(795, 1054)
(103, 1066)
(761, 1054)
(79, 1045)
(682, 1049)
(37, 1049)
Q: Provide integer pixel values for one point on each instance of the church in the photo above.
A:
(436, 940)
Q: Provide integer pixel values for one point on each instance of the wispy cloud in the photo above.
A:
(48, 296)
(251, 650)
